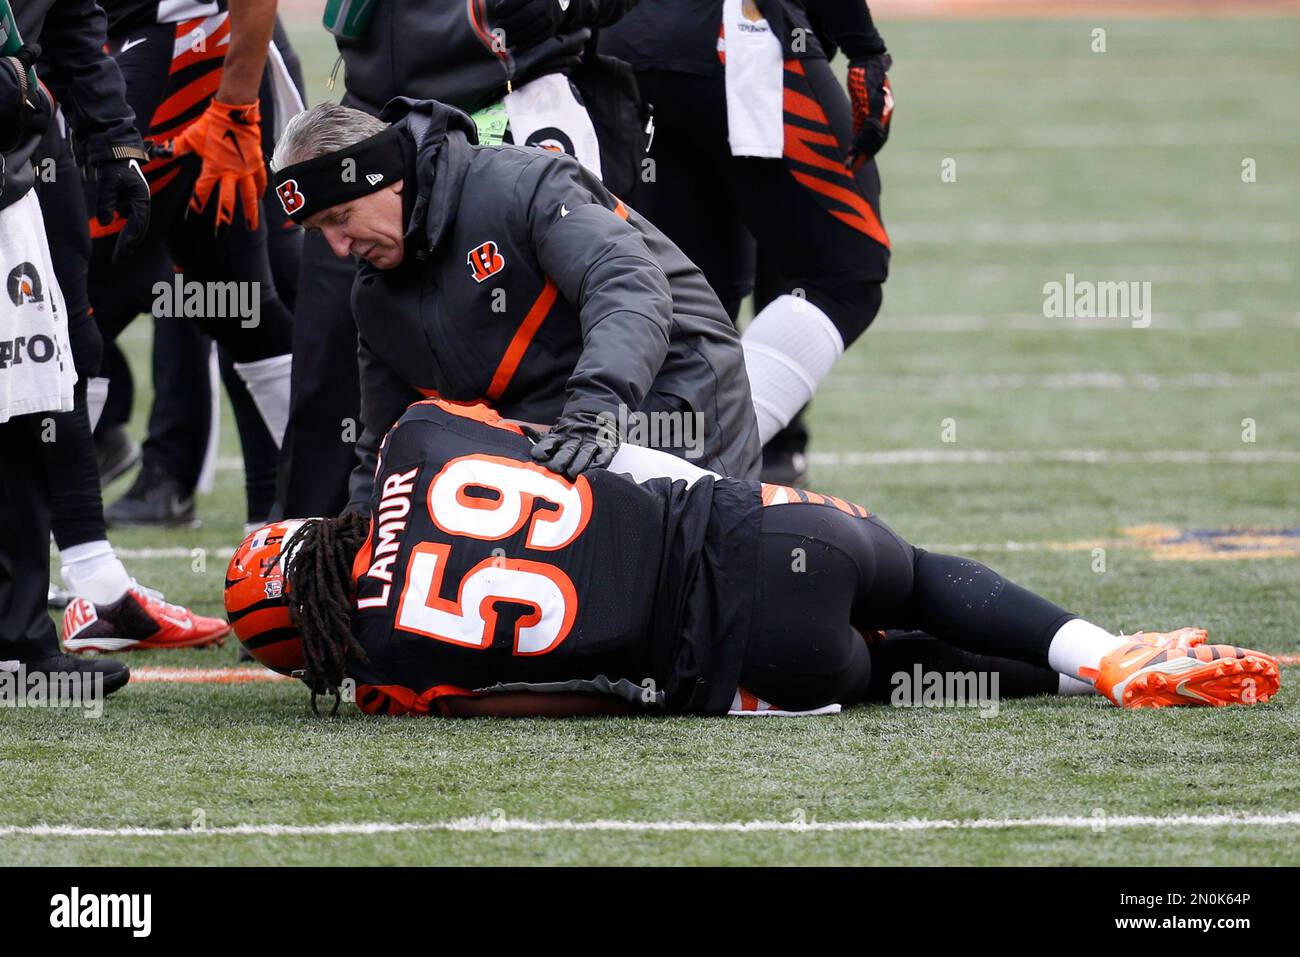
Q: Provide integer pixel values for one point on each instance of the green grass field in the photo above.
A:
(1124, 165)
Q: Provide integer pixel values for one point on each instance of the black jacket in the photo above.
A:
(443, 50)
(84, 79)
(587, 307)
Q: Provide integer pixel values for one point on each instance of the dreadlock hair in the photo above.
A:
(320, 595)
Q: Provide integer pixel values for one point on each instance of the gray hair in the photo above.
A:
(325, 128)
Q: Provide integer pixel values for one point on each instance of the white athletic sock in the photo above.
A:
(1073, 686)
(96, 397)
(268, 384)
(789, 348)
(94, 571)
(1080, 644)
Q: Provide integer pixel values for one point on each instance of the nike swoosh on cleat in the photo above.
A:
(1182, 689)
(184, 625)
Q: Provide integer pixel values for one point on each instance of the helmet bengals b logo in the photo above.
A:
(290, 198)
(485, 261)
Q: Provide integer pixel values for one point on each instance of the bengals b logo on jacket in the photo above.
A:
(485, 261)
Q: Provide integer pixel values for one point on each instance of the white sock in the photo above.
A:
(96, 397)
(94, 571)
(1073, 686)
(268, 384)
(1078, 647)
(789, 348)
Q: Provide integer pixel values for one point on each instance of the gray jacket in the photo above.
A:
(527, 284)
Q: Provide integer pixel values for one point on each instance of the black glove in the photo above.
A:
(526, 23)
(16, 95)
(576, 443)
(120, 187)
(873, 106)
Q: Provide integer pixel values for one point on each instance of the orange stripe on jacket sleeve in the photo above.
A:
(522, 338)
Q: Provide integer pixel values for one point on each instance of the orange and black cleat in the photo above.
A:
(1146, 675)
(139, 620)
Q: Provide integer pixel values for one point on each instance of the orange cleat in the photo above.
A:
(1144, 675)
(1179, 638)
(139, 620)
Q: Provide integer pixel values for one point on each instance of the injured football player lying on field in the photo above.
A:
(480, 583)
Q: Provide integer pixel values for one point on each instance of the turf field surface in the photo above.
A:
(968, 419)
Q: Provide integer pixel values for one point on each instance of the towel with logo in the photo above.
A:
(36, 372)
(546, 113)
(754, 70)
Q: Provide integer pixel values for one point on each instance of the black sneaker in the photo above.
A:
(155, 498)
(57, 667)
(116, 453)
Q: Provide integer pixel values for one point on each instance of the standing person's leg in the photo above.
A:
(110, 397)
(91, 568)
(686, 195)
(26, 630)
(181, 420)
(818, 224)
(319, 450)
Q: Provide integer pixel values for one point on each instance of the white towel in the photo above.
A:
(36, 371)
(754, 70)
(546, 113)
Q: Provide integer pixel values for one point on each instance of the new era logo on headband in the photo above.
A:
(373, 178)
(290, 198)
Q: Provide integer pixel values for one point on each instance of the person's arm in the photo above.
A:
(90, 89)
(252, 24)
(600, 264)
(228, 136)
(849, 25)
(87, 82)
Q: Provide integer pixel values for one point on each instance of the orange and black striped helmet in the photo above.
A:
(257, 605)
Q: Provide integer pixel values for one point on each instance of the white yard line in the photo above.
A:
(1061, 381)
(1067, 456)
(494, 824)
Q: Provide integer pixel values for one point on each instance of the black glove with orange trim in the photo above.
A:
(120, 187)
(873, 106)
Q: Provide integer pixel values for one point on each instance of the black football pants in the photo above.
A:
(26, 630)
(827, 576)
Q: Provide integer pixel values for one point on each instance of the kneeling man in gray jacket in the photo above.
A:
(511, 275)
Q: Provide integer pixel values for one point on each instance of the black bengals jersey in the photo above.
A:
(484, 571)
(125, 14)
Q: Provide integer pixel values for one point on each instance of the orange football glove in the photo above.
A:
(228, 136)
